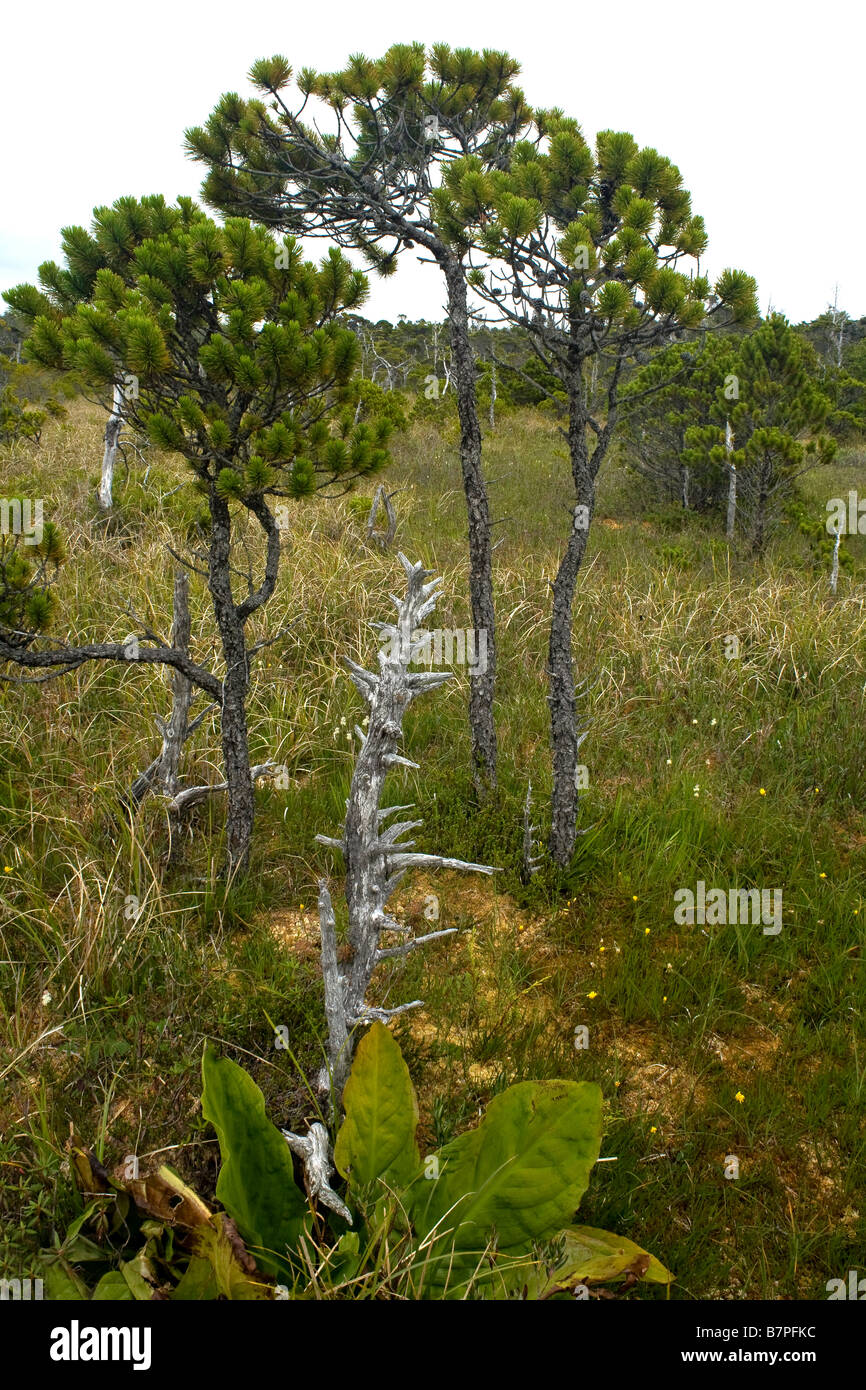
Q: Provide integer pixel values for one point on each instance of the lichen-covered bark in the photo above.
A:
(560, 665)
(482, 684)
(233, 718)
(175, 730)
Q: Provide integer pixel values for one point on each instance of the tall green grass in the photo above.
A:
(746, 772)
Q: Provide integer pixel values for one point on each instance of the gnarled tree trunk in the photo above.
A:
(564, 729)
(233, 721)
(181, 690)
(482, 684)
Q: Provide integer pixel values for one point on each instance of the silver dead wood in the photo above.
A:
(109, 453)
(383, 499)
(834, 570)
(162, 774)
(530, 861)
(314, 1151)
(377, 855)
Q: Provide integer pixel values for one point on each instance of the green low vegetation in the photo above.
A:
(116, 968)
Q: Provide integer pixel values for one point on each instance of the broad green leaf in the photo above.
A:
(377, 1137)
(256, 1184)
(114, 1287)
(521, 1174)
(593, 1256)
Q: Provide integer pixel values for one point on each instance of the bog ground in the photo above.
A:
(708, 1041)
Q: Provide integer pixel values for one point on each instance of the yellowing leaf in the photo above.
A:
(377, 1137)
(593, 1256)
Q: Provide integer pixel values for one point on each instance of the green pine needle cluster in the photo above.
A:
(229, 347)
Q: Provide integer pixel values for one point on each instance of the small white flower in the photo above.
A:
(697, 789)
(365, 721)
(713, 721)
(668, 761)
(343, 722)
(336, 734)
(694, 721)
(46, 999)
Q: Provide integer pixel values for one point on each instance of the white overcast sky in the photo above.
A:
(759, 102)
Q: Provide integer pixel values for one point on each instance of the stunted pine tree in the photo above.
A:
(116, 232)
(682, 388)
(356, 156)
(232, 353)
(585, 245)
(777, 416)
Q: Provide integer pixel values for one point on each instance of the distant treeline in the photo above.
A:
(414, 356)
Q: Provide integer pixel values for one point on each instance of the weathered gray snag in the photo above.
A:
(386, 537)
(229, 694)
(377, 856)
(530, 861)
(193, 796)
(314, 1150)
(164, 770)
(175, 731)
(834, 571)
(109, 453)
(732, 483)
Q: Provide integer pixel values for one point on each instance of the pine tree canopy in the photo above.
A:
(777, 371)
(229, 348)
(367, 181)
(27, 602)
(766, 385)
(673, 413)
(584, 245)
